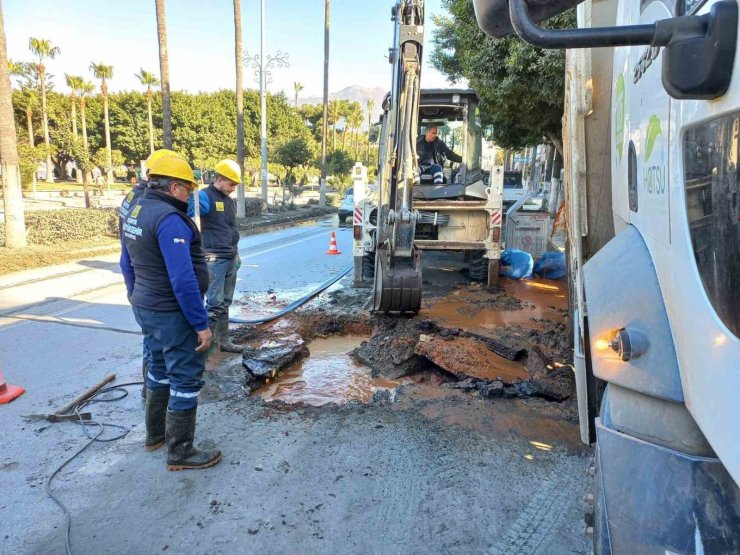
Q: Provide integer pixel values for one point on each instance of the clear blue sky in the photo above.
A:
(200, 34)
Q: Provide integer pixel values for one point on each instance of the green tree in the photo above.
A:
(521, 87)
(74, 83)
(104, 72)
(297, 87)
(296, 154)
(370, 107)
(339, 163)
(148, 80)
(43, 49)
(354, 121)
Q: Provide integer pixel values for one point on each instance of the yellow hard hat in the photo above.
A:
(157, 154)
(229, 169)
(172, 166)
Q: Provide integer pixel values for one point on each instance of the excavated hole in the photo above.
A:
(328, 375)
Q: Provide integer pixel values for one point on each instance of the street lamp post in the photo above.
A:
(262, 65)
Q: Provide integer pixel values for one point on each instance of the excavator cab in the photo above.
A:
(456, 114)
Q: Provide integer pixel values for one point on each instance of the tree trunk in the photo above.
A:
(78, 172)
(325, 120)
(45, 123)
(29, 125)
(109, 173)
(151, 124)
(296, 99)
(15, 226)
(238, 53)
(164, 77)
(85, 172)
(367, 155)
(557, 142)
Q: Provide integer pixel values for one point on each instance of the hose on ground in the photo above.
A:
(295, 304)
(123, 431)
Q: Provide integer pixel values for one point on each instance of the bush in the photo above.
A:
(332, 200)
(253, 207)
(53, 227)
(313, 202)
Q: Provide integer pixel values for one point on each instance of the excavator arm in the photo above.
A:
(398, 281)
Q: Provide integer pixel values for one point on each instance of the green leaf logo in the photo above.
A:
(653, 130)
(619, 116)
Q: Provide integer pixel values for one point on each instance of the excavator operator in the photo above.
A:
(432, 153)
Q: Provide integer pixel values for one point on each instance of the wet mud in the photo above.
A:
(511, 342)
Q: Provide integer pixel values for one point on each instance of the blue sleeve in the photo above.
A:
(174, 237)
(126, 268)
(205, 204)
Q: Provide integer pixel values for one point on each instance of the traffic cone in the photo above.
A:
(333, 245)
(8, 392)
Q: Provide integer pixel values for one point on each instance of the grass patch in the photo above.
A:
(39, 256)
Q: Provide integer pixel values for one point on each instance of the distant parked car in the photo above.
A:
(347, 206)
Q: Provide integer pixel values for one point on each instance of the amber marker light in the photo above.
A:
(602, 344)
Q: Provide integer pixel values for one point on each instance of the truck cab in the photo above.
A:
(656, 303)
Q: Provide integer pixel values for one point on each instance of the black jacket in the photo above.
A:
(220, 233)
(441, 153)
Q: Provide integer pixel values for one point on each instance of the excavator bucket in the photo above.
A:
(397, 283)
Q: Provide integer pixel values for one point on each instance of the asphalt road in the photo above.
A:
(426, 475)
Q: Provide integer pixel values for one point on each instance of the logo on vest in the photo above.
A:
(219, 206)
(130, 196)
(178, 240)
(135, 211)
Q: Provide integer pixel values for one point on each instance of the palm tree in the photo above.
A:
(325, 119)
(148, 80)
(30, 100)
(335, 112)
(104, 72)
(42, 49)
(354, 120)
(15, 226)
(164, 74)
(297, 87)
(370, 106)
(74, 82)
(238, 54)
(85, 90)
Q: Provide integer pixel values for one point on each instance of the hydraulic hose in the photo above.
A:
(295, 304)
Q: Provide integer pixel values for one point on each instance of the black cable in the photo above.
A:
(295, 304)
(102, 425)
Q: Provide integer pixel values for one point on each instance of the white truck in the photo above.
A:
(654, 260)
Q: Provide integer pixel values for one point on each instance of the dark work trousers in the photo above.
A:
(174, 362)
(435, 170)
(221, 285)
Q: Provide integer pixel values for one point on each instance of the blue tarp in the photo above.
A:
(551, 265)
(516, 264)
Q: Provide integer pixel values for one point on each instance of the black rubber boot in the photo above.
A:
(181, 454)
(222, 336)
(144, 372)
(156, 413)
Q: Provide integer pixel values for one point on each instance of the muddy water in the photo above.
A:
(475, 309)
(329, 375)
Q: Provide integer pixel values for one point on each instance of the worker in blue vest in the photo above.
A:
(123, 212)
(220, 246)
(166, 277)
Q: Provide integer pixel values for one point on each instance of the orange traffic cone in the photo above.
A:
(333, 245)
(8, 392)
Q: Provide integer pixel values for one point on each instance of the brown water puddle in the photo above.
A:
(329, 375)
(475, 309)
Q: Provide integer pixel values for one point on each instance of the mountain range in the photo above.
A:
(353, 93)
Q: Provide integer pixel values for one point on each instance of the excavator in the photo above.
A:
(409, 214)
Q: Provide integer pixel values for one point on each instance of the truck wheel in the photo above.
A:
(368, 266)
(478, 270)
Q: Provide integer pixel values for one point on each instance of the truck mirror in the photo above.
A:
(699, 49)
